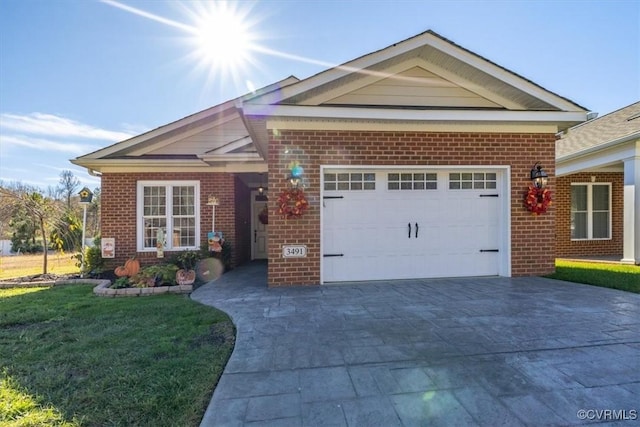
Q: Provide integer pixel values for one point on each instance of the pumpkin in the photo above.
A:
(120, 271)
(131, 268)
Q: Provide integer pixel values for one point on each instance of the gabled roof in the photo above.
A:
(603, 132)
(429, 62)
(425, 79)
(217, 134)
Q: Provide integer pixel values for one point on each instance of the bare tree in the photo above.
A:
(69, 183)
(42, 210)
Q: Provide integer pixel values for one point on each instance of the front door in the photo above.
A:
(258, 226)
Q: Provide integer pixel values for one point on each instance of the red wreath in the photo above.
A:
(292, 203)
(537, 200)
(263, 216)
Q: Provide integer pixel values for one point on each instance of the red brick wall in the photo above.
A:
(118, 198)
(532, 237)
(564, 246)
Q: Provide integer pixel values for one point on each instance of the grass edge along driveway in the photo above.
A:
(69, 358)
(616, 276)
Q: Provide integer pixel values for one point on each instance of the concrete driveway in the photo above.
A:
(451, 352)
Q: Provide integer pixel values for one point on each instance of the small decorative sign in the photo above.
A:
(215, 240)
(294, 251)
(108, 247)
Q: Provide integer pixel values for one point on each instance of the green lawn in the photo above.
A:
(69, 358)
(616, 276)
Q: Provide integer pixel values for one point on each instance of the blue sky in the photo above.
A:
(78, 75)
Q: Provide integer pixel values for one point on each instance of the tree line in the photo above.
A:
(38, 221)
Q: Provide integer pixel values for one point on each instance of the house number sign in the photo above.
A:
(294, 251)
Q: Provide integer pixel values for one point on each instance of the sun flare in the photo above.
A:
(222, 37)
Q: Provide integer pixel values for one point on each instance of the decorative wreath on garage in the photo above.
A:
(537, 200)
(292, 203)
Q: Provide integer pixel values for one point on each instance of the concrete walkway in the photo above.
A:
(450, 352)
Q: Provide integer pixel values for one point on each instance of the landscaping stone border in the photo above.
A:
(104, 290)
(50, 283)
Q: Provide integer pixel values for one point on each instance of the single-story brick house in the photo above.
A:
(598, 187)
(413, 159)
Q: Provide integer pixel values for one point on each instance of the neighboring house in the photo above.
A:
(598, 187)
(415, 157)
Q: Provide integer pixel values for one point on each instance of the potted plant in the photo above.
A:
(187, 260)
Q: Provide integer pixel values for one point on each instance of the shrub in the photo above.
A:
(121, 282)
(155, 275)
(187, 260)
(93, 261)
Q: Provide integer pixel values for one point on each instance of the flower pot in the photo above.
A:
(185, 277)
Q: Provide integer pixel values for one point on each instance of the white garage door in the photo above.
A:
(398, 224)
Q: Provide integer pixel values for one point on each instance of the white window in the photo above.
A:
(170, 206)
(472, 181)
(590, 211)
(412, 181)
(349, 181)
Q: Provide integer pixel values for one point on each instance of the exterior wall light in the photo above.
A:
(296, 175)
(539, 176)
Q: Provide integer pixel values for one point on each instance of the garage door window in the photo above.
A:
(349, 181)
(472, 180)
(412, 181)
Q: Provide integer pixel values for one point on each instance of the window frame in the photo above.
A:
(168, 185)
(590, 210)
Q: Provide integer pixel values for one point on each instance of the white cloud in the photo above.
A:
(45, 144)
(56, 126)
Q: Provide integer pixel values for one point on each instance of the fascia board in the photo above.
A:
(230, 146)
(166, 166)
(421, 115)
(603, 156)
(231, 157)
(97, 164)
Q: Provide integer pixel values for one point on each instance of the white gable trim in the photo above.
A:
(361, 64)
(231, 146)
(369, 78)
(560, 117)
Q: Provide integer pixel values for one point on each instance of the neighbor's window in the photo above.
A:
(170, 206)
(590, 211)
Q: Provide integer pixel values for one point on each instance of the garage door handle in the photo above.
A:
(416, 230)
(409, 229)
